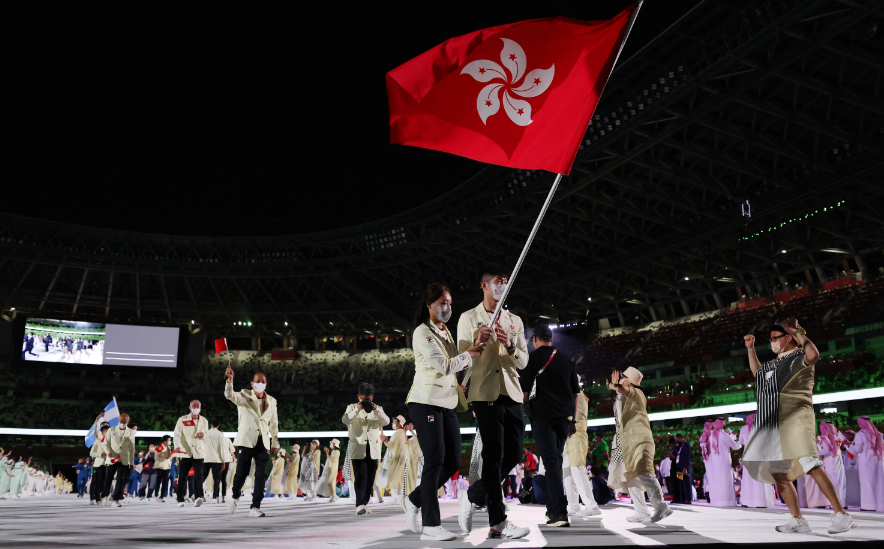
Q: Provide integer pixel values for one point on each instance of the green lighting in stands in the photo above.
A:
(784, 223)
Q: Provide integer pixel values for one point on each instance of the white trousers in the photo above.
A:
(649, 482)
(576, 482)
(311, 489)
(378, 492)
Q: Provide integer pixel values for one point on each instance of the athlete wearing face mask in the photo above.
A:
(257, 432)
(431, 405)
(190, 444)
(496, 394)
(120, 441)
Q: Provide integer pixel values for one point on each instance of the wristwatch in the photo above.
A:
(800, 330)
(512, 346)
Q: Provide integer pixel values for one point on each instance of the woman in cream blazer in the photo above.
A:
(431, 402)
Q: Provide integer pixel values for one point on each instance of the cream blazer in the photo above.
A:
(495, 372)
(252, 422)
(163, 460)
(215, 446)
(187, 444)
(436, 364)
(121, 444)
(98, 447)
(365, 430)
(229, 450)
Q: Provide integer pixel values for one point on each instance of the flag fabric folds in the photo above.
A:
(519, 95)
(111, 415)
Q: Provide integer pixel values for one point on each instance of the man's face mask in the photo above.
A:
(259, 387)
(497, 290)
(443, 313)
(195, 411)
(778, 346)
(123, 425)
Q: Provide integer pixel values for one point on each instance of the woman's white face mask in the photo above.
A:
(259, 387)
(443, 313)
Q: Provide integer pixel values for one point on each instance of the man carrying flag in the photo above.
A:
(99, 458)
(519, 95)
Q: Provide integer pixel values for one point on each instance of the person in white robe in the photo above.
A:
(753, 493)
(851, 469)
(869, 449)
(721, 476)
(705, 448)
(830, 450)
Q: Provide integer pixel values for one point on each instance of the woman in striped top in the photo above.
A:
(782, 445)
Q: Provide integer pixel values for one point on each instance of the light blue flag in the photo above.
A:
(111, 415)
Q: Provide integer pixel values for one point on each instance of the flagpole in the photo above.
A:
(549, 197)
(524, 253)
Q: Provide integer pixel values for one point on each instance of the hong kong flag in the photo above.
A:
(518, 95)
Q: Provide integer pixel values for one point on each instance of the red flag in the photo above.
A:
(220, 345)
(518, 95)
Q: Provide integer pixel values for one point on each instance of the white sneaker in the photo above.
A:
(661, 513)
(412, 516)
(573, 509)
(437, 533)
(795, 526)
(198, 502)
(188, 499)
(91, 501)
(368, 509)
(589, 512)
(181, 504)
(141, 499)
(255, 513)
(216, 500)
(639, 517)
(360, 510)
(841, 522)
(161, 500)
(117, 504)
(467, 509)
(507, 530)
(231, 507)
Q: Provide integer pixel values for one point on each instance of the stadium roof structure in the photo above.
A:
(772, 106)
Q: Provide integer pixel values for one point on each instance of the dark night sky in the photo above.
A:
(232, 121)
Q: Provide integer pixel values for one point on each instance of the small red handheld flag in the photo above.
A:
(518, 95)
(220, 345)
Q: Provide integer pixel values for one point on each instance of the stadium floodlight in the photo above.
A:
(589, 299)
(287, 323)
(782, 251)
(686, 278)
(12, 308)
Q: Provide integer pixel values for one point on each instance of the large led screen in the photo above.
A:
(74, 342)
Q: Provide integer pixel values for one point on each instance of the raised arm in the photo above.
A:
(754, 363)
(811, 353)
(349, 414)
(231, 395)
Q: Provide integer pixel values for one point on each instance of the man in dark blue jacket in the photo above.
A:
(683, 492)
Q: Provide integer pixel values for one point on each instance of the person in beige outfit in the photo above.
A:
(395, 458)
(213, 462)
(257, 437)
(120, 449)
(637, 440)
(291, 472)
(276, 473)
(496, 395)
(365, 420)
(190, 447)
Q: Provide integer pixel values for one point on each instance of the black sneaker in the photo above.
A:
(558, 522)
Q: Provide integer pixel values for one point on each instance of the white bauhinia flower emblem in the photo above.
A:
(513, 58)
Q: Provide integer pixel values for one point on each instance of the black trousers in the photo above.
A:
(365, 470)
(440, 443)
(97, 486)
(224, 481)
(184, 467)
(244, 457)
(503, 430)
(216, 476)
(161, 486)
(119, 472)
(550, 436)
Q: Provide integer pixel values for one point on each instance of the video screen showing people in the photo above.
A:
(76, 342)
(48, 340)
